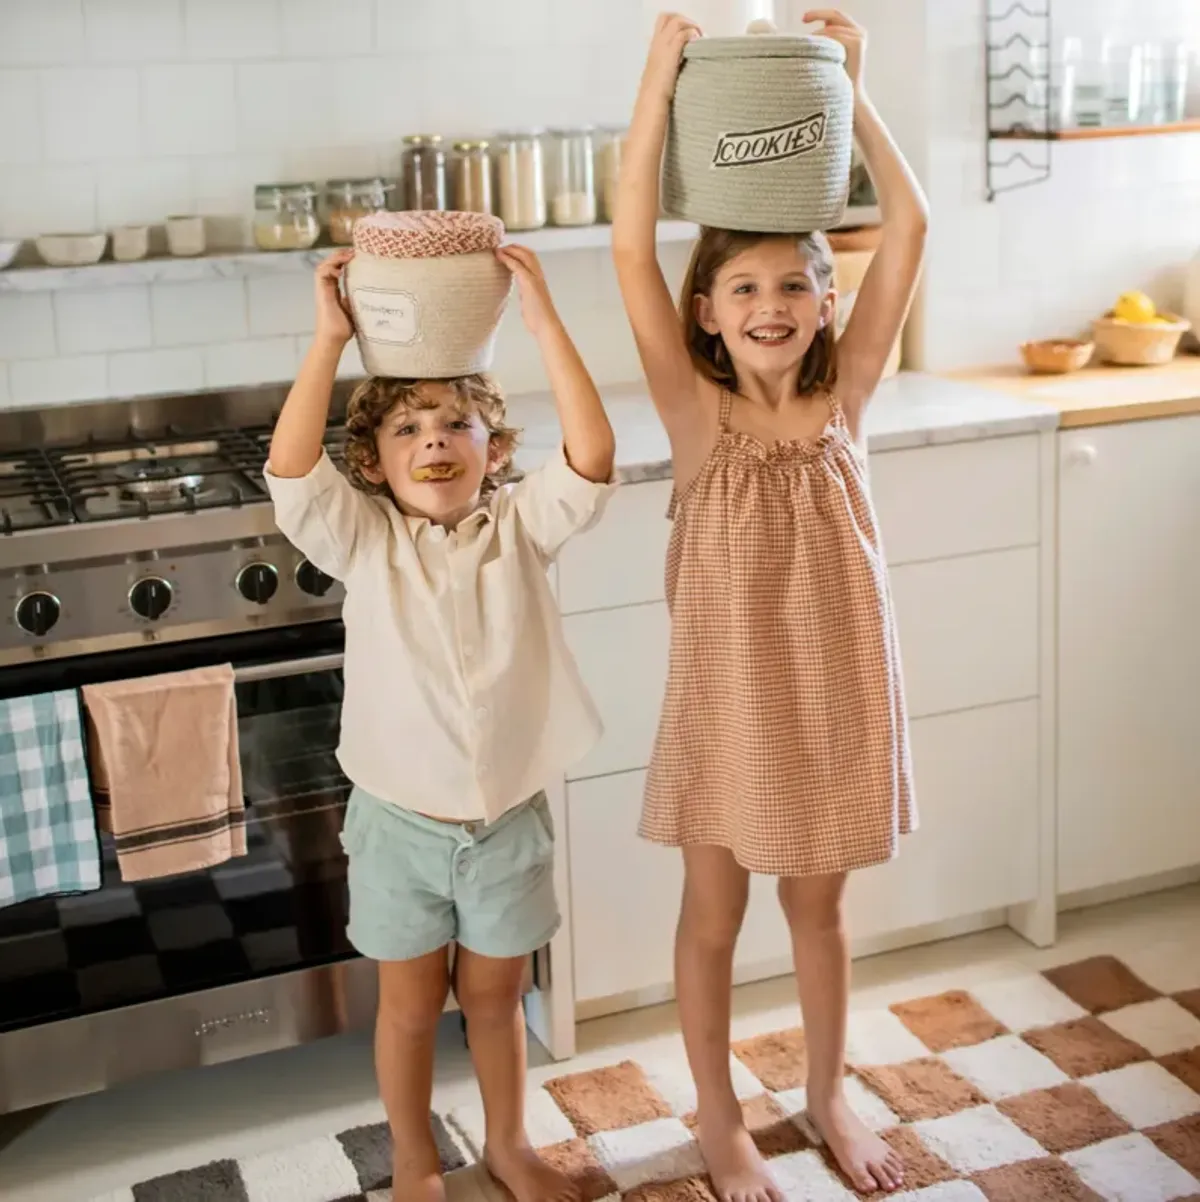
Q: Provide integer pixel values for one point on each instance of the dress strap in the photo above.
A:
(724, 411)
(835, 406)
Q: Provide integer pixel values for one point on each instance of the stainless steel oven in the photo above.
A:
(250, 955)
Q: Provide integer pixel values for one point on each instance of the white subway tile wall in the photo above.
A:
(122, 111)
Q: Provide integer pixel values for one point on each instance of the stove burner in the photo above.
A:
(159, 478)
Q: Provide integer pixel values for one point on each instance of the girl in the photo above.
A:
(782, 746)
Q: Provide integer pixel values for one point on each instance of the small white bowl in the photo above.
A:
(8, 251)
(71, 250)
(130, 243)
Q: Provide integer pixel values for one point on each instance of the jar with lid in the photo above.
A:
(285, 216)
(423, 170)
(521, 181)
(573, 185)
(346, 200)
(473, 177)
(608, 170)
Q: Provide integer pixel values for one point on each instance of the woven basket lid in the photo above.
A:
(767, 45)
(426, 234)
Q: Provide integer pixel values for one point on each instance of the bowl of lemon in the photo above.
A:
(1135, 333)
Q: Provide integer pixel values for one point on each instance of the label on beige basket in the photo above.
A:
(384, 316)
(770, 145)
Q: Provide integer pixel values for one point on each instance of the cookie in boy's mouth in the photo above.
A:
(437, 471)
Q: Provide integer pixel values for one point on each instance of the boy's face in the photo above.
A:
(434, 456)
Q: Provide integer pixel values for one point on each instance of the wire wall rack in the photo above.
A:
(1019, 134)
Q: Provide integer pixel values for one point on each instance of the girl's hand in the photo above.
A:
(853, 37)
(537, 307)
(671, 34)
(334, 324)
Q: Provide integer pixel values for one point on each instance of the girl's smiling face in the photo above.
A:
(767, 304)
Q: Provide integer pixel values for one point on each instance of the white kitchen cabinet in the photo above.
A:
(968, 629)
(622, 655)
(1128, 652)
(625, 891)
(976, 849)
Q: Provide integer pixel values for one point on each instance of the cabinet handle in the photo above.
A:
(1081, 456)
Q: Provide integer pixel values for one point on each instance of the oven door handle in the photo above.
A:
(291, 667)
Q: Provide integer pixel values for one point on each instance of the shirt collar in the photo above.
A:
(469, 525)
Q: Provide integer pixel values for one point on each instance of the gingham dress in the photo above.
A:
(783, 734)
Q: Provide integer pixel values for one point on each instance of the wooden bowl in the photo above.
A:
(1056, 356)
(1138, 344)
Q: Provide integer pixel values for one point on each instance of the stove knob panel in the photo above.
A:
(151, 597)
(37, 613)
(311, 580)
(257, 582)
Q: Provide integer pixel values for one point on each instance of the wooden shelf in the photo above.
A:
(1191, 125)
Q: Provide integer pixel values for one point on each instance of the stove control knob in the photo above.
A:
(311, 580)
(257, 582)
(151, 597)
(37, 613)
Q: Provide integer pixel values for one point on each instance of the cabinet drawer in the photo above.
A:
(976, 849)
(622, 655)
(624, 891)
(620, 561)
(939, 501)
(968, 630)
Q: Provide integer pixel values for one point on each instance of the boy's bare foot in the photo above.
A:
(527, 1176)
(867, 1160)
(737, 1169)
(420, 1187)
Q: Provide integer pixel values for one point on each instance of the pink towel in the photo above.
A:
(165, 771)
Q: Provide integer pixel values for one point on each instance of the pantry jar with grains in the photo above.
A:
(608, 170)
(573, 187)
(423, 171)
(473, 178)
(521, 181)
(285, 216)
(346, 200)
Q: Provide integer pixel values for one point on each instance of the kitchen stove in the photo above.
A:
(154, 525)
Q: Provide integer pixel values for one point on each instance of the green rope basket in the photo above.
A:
(761, 134)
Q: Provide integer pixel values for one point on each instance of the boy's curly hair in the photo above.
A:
(377, 396)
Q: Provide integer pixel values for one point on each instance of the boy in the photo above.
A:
(461, 699)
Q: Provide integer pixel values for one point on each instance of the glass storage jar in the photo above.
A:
(346, 200)
(573, 185)
(608, 170)
(423, 170)
(473, 177)
(285, 216)
(521, 181)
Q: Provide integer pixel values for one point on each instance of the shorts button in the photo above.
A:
(469, 828)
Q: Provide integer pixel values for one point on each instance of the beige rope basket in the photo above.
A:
(427, 292)
(761, 134)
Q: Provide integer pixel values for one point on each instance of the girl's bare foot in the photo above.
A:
(867, 1160)
(737, 1169)
(527, 1176)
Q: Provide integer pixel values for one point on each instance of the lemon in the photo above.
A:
(1135, 307)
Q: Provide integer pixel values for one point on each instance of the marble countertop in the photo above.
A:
(910, 410)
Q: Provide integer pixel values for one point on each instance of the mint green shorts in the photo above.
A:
(417, 884)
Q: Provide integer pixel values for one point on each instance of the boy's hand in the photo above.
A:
(672, 33)
(334, 325)
(853, 37)
(537, 307)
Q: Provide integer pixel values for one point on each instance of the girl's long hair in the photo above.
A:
(713, 249)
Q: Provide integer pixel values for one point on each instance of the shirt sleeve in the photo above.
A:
(323, 515)
(554, 502)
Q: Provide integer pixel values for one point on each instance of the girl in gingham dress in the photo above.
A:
(782, 746)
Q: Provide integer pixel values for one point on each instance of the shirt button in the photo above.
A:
(481, 712)
(485, 767)
(468, 651)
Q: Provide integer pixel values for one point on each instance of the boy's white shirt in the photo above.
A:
(461, 699)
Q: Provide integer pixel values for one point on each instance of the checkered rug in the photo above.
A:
(1080, 1084)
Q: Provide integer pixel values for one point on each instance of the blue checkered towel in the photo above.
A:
(48, 841)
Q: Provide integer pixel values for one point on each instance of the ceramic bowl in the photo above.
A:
(8, 251)
(71, 250)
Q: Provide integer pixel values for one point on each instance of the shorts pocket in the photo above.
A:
(353, 836)
(539, 808)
